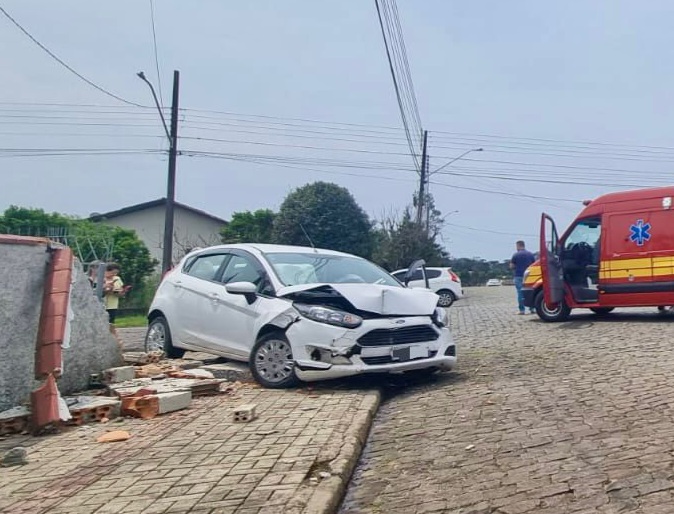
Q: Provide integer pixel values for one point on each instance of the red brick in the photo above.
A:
(55, 304)
(62, 259)
(58, 281)
(9, 239)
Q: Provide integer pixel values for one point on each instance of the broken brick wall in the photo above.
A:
(23, 269)
(22, 278)
(92, 347)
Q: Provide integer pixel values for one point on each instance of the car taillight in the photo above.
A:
(453, 276)
(163, 275)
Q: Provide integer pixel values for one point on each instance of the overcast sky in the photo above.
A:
(575, 92)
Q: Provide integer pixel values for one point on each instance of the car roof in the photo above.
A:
(270, 248)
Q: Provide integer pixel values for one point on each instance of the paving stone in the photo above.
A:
(190, 460)
(561, 417)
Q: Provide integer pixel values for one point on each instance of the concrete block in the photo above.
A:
(171, 402)
(130, 387)
(118, 375)
(197, 373)
(245, 413)
(231, 371)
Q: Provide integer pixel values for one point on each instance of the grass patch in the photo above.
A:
(137, 320)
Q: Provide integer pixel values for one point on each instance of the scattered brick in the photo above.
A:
(244, 413)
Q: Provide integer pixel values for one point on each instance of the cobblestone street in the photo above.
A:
(542, 418)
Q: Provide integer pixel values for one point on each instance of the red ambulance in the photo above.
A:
(618, 252)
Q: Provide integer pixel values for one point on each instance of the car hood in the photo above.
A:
(378, 299)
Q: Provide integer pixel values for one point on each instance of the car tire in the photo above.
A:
(158, 337)
(447, 298)
(561, 313)
(271, 362)
(602, 311)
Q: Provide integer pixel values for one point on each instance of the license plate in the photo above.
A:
(409, 353)
(418, 352)
(401, 354)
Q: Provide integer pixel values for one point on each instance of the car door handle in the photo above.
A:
(178, 284)
(214, 296)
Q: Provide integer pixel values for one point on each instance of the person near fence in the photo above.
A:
(112, 290)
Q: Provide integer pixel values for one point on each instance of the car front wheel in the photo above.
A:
(272, 363)
(447, 298)
(158, 338)
(560, 312)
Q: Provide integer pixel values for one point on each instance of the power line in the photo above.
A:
(62, 63)
(474, 229)
(396, 87)
(156, 57)
(386, 130)
(262, 160)
(504, 193)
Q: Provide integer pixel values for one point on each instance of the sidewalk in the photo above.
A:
(296, 457)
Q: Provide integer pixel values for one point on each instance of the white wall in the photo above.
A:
(189, 229)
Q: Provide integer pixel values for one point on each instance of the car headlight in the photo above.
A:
(440, 317)
(329, 316)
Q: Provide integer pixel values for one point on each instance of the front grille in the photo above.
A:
(387, 359)
(405, 335)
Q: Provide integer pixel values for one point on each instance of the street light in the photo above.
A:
(159, 108)
(457, 158)
(167, 250)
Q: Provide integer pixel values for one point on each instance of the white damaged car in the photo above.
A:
(297, 313)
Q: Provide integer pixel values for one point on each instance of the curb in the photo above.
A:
(329, 493)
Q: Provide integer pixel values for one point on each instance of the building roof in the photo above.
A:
(150, 205)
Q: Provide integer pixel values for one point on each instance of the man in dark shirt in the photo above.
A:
(519, 262)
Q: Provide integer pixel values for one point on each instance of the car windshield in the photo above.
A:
(295, 269)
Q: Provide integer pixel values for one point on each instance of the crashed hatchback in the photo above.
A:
(297, 313)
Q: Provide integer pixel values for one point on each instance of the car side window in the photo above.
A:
(205, 267)
(400, 275)
(433, 273)
(241, 269)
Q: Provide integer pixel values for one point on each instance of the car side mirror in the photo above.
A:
(247, 289)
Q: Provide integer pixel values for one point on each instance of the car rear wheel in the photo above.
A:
(560, 312)
(602, 311)
(271, 362)
(447, 298)
(158, 338)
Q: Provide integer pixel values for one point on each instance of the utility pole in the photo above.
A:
(167, 248)
(421, 201)
(167, 254)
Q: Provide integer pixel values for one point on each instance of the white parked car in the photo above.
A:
(297, 313)
(494, 282)
(442, 281)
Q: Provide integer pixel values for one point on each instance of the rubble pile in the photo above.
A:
(146, 387)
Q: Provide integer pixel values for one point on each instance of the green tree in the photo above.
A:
(89, 241)
(476, 271)
(330, 217)
(249, 227)
(400, 241)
